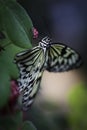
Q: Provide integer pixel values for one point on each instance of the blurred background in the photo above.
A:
(61, 103)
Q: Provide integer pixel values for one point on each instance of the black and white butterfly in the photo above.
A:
(53, 57)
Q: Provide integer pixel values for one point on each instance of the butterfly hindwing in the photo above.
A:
(30, 64)
(60, 58)
(29, 96)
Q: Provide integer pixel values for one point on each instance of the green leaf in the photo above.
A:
(11, 121)
(77, 101)
(12, 50)
(77, 96)
(7, 60)
(14, 29)
(28, 126)
(5, 41)
(4, 2)
(4, 85)
(21, 14)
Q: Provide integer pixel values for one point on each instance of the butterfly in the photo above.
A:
(53, 57)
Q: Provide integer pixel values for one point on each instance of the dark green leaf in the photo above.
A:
(4, 85)
(11, 122)
(7, 60)
(14, 29)
(5, 1)
(12, 50)
(28, 126)
(22, 16)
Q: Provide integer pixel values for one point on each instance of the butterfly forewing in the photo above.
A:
(22, 59)
(60, 58)
(30, 64)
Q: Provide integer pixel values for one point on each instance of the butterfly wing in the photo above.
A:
(60, 58)
(30, 64)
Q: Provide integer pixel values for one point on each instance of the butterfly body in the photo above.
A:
(53, 57)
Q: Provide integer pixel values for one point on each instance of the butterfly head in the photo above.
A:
(45, 42)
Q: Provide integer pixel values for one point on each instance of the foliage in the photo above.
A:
(77, 100)
(16, 32)
(28, 126)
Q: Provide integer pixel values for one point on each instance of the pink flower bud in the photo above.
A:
(35, 33)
